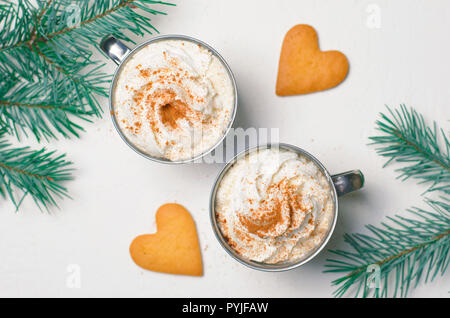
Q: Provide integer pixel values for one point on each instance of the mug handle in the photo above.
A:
(115, 49)
(348, 181)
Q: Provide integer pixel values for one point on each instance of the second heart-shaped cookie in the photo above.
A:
(303, 68)
(174, 248)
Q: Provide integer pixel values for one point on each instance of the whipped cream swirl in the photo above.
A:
(173, 99)
(274, 206)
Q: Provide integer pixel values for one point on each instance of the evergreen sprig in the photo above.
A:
(407, 251)
(39, 173)
(409, 140)
(49, 81)
(49, 77)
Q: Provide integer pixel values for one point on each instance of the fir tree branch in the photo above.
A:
(116, 7)
(49, 80)
(407, 139)
(38, 173)
(42, 52)
(406, 252)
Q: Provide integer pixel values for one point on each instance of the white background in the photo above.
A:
(116, 192)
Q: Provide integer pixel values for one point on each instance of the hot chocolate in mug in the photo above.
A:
(172, 99)
(274, 207)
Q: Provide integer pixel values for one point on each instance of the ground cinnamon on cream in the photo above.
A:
(170, 113)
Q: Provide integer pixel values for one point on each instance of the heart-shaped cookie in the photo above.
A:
(174, 248)
(303, 68)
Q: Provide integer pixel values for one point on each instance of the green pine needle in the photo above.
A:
(49, 77)
(406, 251)
(409, 140)
(38, 173)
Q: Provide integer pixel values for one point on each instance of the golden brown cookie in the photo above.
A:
(303, 68)
(174, 248)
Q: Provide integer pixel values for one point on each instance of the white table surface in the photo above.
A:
(116, 192)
